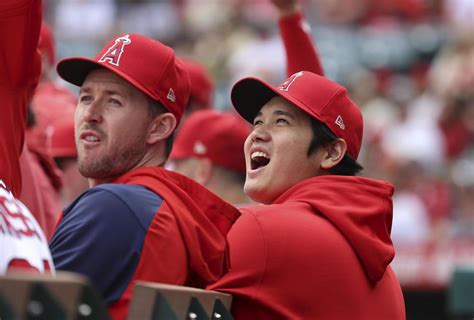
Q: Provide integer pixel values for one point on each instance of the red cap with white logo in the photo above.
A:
(218, 136)
(321, 98)
(145, 63)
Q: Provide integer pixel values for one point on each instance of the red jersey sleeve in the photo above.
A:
(20, 67)
(301, 54)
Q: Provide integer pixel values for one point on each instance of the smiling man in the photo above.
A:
(319, 247)
(138, 221)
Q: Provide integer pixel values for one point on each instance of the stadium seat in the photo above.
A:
(162, 301)
(64, 296)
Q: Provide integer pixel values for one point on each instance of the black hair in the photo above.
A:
(155, 108)
(323, 136)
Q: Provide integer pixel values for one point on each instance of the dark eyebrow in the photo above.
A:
(84, 89)
(109, 92)
(278, 113)
(284, 113)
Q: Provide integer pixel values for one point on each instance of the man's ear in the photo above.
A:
(334, 152)
(161, 127)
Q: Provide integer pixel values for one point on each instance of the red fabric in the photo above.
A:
(20, 69)
(191, 218)
(31, 191)
(301, 54)
(320, 251)
(222, 141)
(42, 193)
(145, 63)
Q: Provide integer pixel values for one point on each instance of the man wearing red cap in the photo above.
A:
(138, 221)
(208, 149)
(319, 247)
(214, 156)
(22, 242)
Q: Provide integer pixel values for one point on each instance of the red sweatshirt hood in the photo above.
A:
(360, 208)
(204, 220)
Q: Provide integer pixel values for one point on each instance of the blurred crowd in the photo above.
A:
(408, 64)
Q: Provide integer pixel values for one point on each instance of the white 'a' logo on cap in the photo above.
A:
(171, 97)
(286, 85)
(113, 54)
(340, 122)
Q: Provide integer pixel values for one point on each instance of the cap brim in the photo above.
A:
(75, 70)
(250, 94)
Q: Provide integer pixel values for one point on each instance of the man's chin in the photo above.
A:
(257, 194)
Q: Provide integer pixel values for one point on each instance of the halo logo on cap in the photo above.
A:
(340, 122)
(171, 97)
(113, 54)
(286, 85)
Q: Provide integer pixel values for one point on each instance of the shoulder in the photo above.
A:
(114, 203)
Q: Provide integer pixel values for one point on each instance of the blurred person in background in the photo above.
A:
(462, 219)
(209, 150)
(64, 153)
(23, 244)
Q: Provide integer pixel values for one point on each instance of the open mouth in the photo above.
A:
(89, 136)
(258, 159)
(91, 139)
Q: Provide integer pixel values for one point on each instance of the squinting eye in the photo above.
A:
(85, 98)
(115, 101)
(257, 122)
(281, 120)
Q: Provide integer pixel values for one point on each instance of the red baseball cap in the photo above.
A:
(219, 136)
(62, 140)
(145, 63)
(321, 98)
(202, 86)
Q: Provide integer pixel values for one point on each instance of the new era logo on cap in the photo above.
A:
(199, 148)
(113, 53)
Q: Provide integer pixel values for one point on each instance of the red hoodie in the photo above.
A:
(320, 251)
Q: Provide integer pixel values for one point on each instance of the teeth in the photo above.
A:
(256, 154)
(91, 138)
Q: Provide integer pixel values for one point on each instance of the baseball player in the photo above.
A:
(138, 221)
(22, 242)
(319, 247)
(204, 155)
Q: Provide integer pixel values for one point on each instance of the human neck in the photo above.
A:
(145, 162)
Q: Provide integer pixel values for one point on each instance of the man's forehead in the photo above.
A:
(106, 77)
(278, 106)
